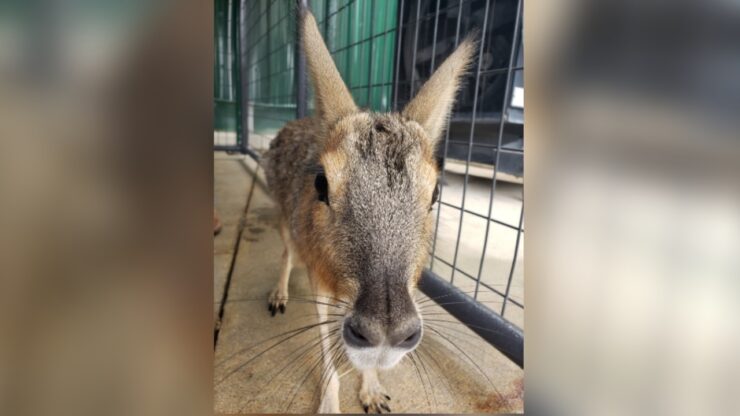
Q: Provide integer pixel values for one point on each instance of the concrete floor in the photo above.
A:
(252, 376)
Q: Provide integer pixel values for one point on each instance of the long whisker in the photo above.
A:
(326, 375)
(475, 364)
(421, 380)
(292, 299)
(322, 367)
(268, 349)
(349, 370)
(432, 305)
(243, 350)
(467, 292)
(431, 385)
(462, 324)
(315, 357)
(472, 336)
(310, 371)
(435, 313)
(424, 348)
(342, 361)
(308, 351)
(295, 296)
(317, 366)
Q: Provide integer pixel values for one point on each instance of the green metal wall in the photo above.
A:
(271, 44)
(225, 69)
(361, 34)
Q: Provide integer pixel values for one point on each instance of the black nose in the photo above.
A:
(356, 336)
(407, 337)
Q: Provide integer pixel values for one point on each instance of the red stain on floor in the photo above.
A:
(509, 401)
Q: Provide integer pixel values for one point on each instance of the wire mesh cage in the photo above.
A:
(385, 50)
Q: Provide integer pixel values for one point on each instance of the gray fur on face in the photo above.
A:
(377, 229)
(381, 223)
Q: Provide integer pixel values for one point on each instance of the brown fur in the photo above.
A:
(340, 136)
(369, 243)
(290, 171)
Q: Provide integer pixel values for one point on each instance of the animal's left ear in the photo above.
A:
(433, 103)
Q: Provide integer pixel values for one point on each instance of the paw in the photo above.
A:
(374, 399)
(277, 300)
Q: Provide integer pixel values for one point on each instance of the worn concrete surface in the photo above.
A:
(231, 184)
(253, 376)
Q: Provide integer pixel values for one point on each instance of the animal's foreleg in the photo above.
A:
(372, 396)
(330, 387)
(279, 295)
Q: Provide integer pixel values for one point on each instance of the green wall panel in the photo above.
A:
(359, 33)
(225, 70)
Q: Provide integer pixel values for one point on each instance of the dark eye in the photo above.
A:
(435, 195)
(322, 188)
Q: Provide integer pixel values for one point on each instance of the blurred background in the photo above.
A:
(633, 297)
(106, 207)
(106, 183)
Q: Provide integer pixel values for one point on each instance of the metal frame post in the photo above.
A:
(243, 91)
(490, 326)
(301, 95)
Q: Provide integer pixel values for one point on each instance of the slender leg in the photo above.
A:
(279, 295)
(330, 392)
(372, 396)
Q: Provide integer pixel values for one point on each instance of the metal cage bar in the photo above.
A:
(507, 94)
(446, 147)
(489, 325)
(470, 140)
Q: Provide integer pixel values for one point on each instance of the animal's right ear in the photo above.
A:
(332, 98)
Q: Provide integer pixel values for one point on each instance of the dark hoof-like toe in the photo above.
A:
(376, 404)
(277, 301)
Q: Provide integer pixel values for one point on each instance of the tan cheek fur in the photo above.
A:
(334, 161)
(323, 266)
(428, 174)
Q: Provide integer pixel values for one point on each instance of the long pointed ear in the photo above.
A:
(332, 98)
(432, 105)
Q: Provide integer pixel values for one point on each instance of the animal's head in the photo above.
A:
(374, 191)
